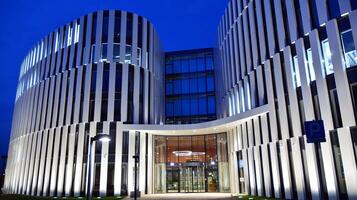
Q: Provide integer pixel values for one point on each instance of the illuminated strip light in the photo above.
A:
(344, 14)
(188, 153)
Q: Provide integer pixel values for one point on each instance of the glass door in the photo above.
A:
(192, 179)
(186, 179)
(198, 179)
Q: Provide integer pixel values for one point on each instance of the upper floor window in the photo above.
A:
(349, 49)
(77, 28)
(116, 54)
(56, 43)
(69, 36)
(310, 67)
(209, 63)
(295, 72)
(326, 60)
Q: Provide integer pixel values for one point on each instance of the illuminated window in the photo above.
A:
(69, 36)
(230, 106)
(127, 54)
(326, 60)
(138, 57)
(310, 67)
(76, 32)
(104, 52)
(56, 44)
(349, 48)
(295, 72)
(116, 52)
(41, 50)
(242, 98)
(248, 96)
(237, 100)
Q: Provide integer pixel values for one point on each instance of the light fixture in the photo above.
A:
(101, 137)
(98, 137)
(104, 139)
(344, 14)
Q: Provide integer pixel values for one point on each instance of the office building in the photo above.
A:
(277, 64)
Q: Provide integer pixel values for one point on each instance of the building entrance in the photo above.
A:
(191, 164)
(192, 179)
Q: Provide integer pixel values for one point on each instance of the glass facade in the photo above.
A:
(191, 164)
(349, 48)
(326, 53)
(190, 87)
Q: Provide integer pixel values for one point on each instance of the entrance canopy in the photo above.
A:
(199, 128)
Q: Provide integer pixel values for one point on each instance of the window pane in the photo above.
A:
(211, 105)
(334, 8)
(185, 65)
(349, 49)
(177, 66)
(193, 85)
(327, 63)
(201, 84)
(193, 65)
(177, 108)
(202, 105)
(296, 74)
(117, 27)
(185, 106)
(168, 69)
(104, 53)
(209, 63)
(172, 146)
(177, 86)
(169, 87)
(194, 106)
(210, 84)
(169, 109)
(116, 52)
(127, 54)
(185, 86)
(201, 64)
(310, 68)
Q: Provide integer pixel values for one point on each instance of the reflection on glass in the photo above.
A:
(116, 54)
(209, 63)
(326, 53)
(127, 58)
(160, 167)
(349, 48)
(241, 172)
(295, 72)
(310, 68)
(223, 163)
(104, 52)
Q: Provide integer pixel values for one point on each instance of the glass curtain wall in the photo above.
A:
(191, 164)
(190, 87)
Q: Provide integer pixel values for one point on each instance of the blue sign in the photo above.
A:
(315, 131)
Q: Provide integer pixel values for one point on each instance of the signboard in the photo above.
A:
(315, 131)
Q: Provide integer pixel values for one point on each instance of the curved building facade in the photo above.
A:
(87, 77)
(299, 58)
(279, 66)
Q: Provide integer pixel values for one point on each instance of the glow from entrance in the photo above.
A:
(188, 153)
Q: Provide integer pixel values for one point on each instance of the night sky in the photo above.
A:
(181, 24)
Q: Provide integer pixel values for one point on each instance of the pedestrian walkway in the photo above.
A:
(193, 196)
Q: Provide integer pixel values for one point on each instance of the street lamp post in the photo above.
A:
(136, 159)
(98, 137)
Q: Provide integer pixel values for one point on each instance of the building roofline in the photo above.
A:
(187, 51)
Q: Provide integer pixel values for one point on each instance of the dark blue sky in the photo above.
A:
(181, 24)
